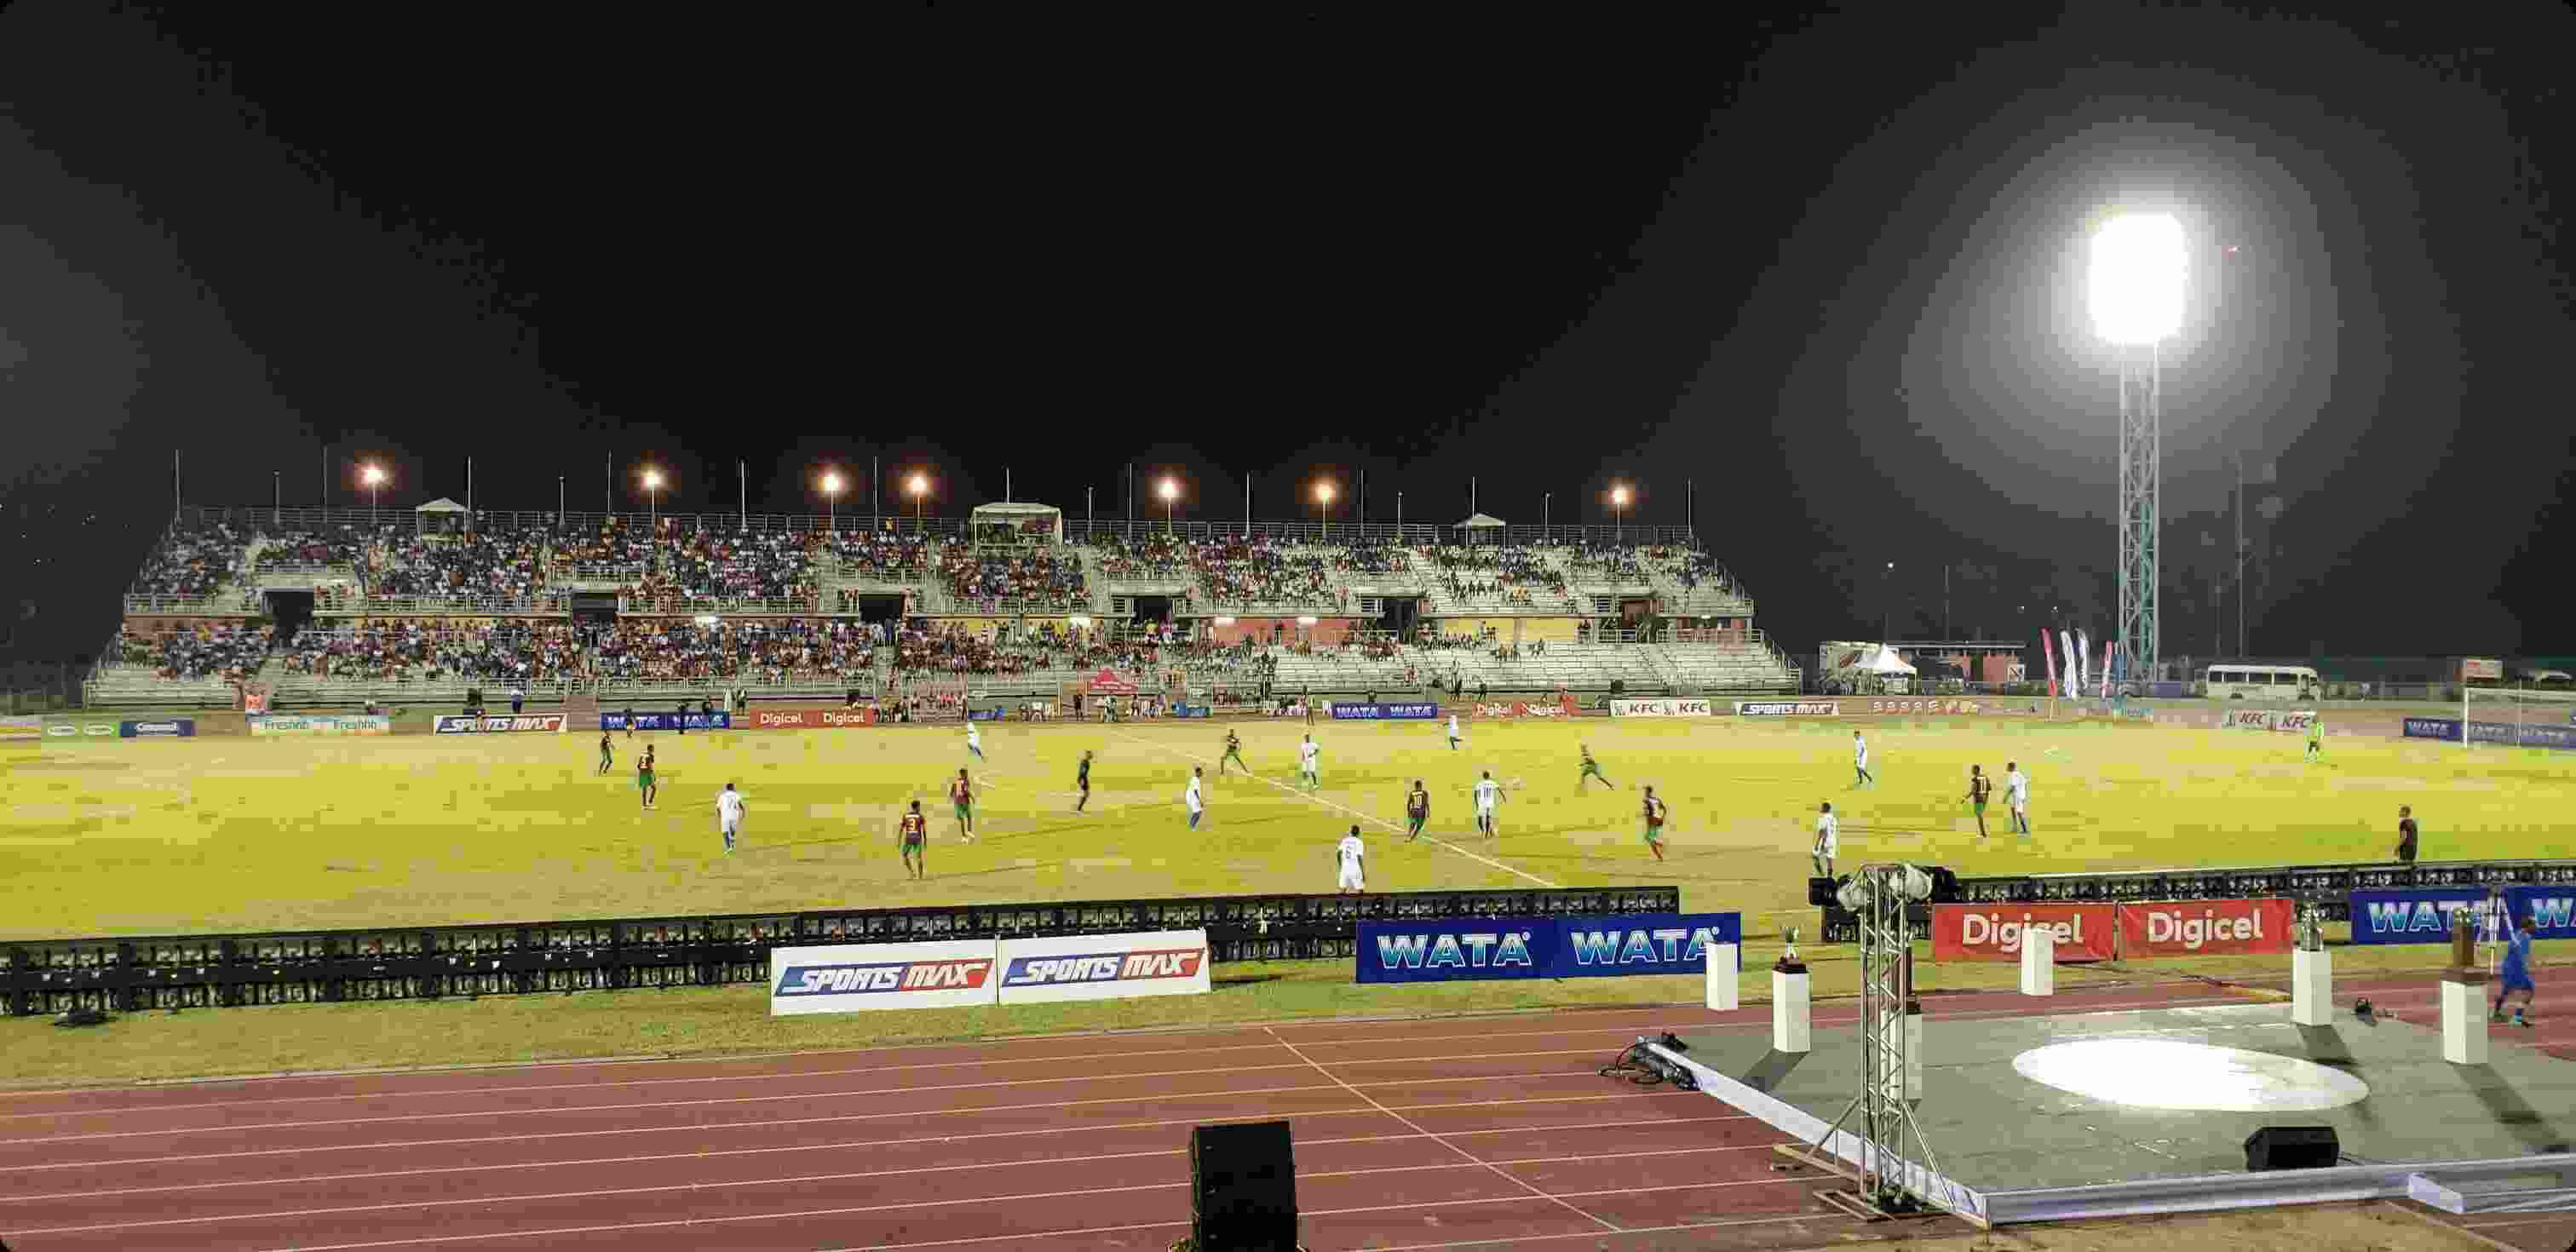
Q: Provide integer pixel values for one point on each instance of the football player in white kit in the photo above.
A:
(1309, 762)
(729, 814)
(1860, 761)
(1352, 855)
(2017, 795)
(1453, 732)
(974, 741)
(1191, 798)
(1488, 794)
(1829, 840)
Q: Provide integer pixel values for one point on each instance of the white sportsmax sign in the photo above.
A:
(1104, 967)
(1661, 708)
(855, 978)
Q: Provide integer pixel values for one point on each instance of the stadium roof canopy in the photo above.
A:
(440, 505)
(1482, 521)
(1011, 512)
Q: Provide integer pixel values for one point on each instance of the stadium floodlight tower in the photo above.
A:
(1170, 491)
(2136, 296)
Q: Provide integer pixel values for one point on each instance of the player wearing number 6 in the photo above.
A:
(1352, 855)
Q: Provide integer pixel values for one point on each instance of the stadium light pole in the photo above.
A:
(1170, 491)
(831, 501)
(374, 478)
(1324, 505)
(2136, 279)
(1619, 510)
(917, 487)
(652, 500)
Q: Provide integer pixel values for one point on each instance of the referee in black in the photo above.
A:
(1082, 779)
(2406, 841)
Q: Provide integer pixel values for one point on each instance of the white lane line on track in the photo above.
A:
(1464, 1154)
(1034, 1162)
(1200, 760)
(1166, 1097)
(1621, 1029)
(844, 1094)
(1025, 1198)
(772, 1123)
(1182, 1186)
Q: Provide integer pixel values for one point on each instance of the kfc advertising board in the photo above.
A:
(1660, 708)
(1992, 933)
(810, 719)
(2206, 927)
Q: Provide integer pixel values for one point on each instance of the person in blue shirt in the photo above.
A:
(2514, 978)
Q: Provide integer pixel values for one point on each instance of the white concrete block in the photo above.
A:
(2312, 987)
(1789, 1012)
(1725, 991)
(2464, 1022)
(2038, 961)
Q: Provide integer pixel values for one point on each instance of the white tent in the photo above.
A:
(441, 516)
(1886, 663)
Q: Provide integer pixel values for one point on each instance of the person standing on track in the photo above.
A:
(1829, 840)
(961, 793)
(2513, 976)
(1352, 855)
(729, 815)
(1417, 810)
(912, 839)
(1082, 780)
(1191, 799)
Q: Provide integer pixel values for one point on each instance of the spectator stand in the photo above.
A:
(196, 569)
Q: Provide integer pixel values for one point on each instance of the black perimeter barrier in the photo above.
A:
(2328, 887)
(431, 962)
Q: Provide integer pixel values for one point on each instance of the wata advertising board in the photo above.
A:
(1543, 947)
(1786, 708)
(860, 977)
(808, 719)
(665, 721)
(1104, 967)
(1661, 708)
(2206, 927)
(323, 724)
(2423, 914)
(502, 724)
(1344, 712)
(1961, 932)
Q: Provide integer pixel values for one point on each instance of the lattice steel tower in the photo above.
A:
(2141, 505)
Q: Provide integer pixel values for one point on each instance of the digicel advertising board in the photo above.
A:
(2202, 927)
(810, 719)
(1963, 932)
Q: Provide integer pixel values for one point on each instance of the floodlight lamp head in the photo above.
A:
(832, 483)
(1170, 489)
(1910, 883)
(919, 484)
(2136, 278)
(1853, 895)
(652, 479)
(372, 475)
(1619, 496)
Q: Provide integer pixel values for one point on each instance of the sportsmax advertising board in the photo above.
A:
(1786, 708)
(807, 719)
(1542, 947)
(1104, 967)
(323, 724)
(665, 721)
(2423, 915)
(858, 978)
(1961, 932)
(1345, 712)
(502, 724)
(1661, 708)
(172, 728)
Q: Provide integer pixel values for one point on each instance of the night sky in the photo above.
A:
(1826, 272)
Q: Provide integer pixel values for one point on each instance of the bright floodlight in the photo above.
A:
(1170, 489)
(919, 484)
(1324, 492)
(1619, 496)
(832, 484)
(2137, 279)
(652, 480)
(371, 475)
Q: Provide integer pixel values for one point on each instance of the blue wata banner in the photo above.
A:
(983, 715)
(2527, 734)
(1190, 710)
(1542, 947)
(2424, 915)
(1386, 712)
(665, 721)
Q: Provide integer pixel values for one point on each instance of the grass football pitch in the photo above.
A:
(238, 834)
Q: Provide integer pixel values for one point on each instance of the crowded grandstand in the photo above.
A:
(313, 607)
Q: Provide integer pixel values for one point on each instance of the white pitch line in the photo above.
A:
(1200, 760)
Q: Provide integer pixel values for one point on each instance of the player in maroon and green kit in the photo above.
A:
(962, 794)
(1654, 814)
(913, 839)
(644, 775)
(1417, 810)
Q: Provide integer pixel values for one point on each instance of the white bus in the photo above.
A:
(2288, 683)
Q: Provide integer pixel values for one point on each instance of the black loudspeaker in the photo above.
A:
(2292, 1147)
(1243, 1188)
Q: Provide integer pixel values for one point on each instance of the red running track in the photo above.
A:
(1488, 1133)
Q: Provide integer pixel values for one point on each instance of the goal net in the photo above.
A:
(2514, 716)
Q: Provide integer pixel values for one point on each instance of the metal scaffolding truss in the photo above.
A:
(2141, 506)
(1898, 1174)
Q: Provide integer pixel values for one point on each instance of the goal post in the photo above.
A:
(2517, 716)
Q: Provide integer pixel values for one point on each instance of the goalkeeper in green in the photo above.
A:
(1591, 770)
(1233, 752)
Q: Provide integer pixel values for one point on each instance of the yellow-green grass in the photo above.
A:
(240, 834)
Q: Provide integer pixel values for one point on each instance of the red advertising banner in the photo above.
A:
(807, 719)
(1961, 932)
(2205, 927)
(1517, 708)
